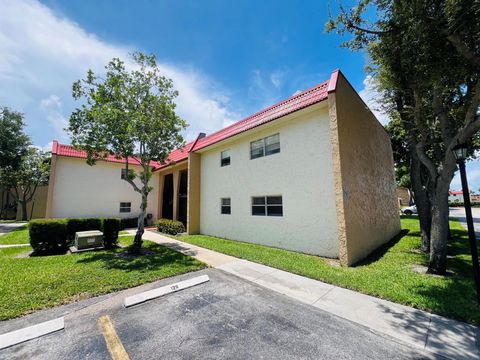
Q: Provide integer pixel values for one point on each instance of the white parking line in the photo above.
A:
(164, 290)
(31, 332)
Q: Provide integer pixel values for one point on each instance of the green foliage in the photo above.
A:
(171, 227)
(130, 113)
(48, 235)
(14, 142)
(110, 228)
(82, 224)
(35, 283)
(128, 223)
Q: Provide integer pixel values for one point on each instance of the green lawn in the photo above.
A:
(28, 284)
(17, 236)
(386, 274)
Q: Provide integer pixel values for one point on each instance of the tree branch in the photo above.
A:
(463, 48)
(130, 181)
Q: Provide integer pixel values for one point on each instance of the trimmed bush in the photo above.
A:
(82, 224)
(171, 227)
(111, 227)
(48, 235)
(128, 223)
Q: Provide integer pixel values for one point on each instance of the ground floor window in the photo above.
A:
(267, 205)
(125, 207)
(226, 206)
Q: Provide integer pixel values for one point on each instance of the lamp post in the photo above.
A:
(460, 154)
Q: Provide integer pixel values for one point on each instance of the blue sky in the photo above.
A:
(228, 59)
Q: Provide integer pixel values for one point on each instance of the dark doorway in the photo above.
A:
(182, 197)
(167, 202)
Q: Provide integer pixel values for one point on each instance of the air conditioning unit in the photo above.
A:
(88, 239)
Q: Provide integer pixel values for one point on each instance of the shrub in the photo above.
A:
(171, 227)
(111, 227)
(48, 235)
(128, 223)
(82, 224)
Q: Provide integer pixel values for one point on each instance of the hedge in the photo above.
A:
(55, 235)
(129, 223)
(171, 227)
(48, 235)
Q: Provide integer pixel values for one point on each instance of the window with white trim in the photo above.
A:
(267, 205)
(264, 147)
(125, 207)
(225, 158)
(225, 206)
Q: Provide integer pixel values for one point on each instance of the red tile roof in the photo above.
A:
(297, 102)
(456, 192)
(70, 151)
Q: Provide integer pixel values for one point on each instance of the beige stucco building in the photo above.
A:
(313, 173)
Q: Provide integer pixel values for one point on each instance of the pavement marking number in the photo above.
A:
(114, 345)
(164, 290)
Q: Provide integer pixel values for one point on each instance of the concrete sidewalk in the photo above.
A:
(426, 331)
(7, 227)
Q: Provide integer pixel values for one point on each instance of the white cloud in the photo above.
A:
(42, 53)
(52, 107)
(276, 78)
(371, 96)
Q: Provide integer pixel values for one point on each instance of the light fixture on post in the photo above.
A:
(460, 153)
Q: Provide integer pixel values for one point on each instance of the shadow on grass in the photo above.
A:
(152, 258)
(382, 250)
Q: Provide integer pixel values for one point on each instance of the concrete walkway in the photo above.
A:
(421, 329)
(7, 227)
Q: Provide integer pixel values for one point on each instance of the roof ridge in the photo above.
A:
(283, 102)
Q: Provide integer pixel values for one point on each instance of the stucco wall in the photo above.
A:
(81, 190)
(367, 204)
(37, 207)
(301, 173)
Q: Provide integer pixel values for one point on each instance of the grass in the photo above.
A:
(387, 273)
(33, 283)
(16, 236)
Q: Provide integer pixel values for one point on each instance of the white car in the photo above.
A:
(410, 210)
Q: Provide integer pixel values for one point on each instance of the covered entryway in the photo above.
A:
(173, 194)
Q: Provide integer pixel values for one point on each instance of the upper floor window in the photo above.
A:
(125, 207)
(226, 206)
(267, 205)
(264, 147)
(225, 158)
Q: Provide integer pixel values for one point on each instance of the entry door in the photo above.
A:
(183, 197)
(167, 200)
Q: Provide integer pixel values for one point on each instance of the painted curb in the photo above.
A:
(164, 290)
(31, 332)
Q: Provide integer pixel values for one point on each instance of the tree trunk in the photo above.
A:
(439, 230)
(422, 201)
(137, 242)
(24, 207)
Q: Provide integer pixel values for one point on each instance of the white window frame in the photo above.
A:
(264, 146)
(222, 158)
(229, 206)
(125, 207)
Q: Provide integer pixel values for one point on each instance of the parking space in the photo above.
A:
(226, 317)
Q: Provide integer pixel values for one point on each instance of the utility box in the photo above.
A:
(88, 239)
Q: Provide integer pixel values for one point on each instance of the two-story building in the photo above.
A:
(313, 173)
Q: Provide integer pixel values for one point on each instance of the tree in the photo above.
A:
(14, 145)
(426, 58)
(14, 142)
(32, 171)
(129, 113)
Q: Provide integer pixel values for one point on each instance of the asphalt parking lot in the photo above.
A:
(225, 318)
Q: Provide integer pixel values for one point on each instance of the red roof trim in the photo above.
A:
(332, 84)
(309, 97)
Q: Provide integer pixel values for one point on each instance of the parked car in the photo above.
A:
(410, 210)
